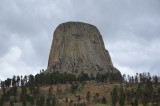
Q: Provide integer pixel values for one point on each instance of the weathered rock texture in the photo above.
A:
(78, 47)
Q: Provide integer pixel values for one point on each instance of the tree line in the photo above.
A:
(144, 94)
(141, 78)
(58, 78)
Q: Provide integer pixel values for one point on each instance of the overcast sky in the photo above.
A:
(130, 29)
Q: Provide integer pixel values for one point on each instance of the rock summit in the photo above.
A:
(78, 47)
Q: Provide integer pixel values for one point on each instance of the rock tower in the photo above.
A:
(78, 47)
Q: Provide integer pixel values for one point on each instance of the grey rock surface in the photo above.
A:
(78, 47)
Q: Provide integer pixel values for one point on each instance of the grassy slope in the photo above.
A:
(62, 91)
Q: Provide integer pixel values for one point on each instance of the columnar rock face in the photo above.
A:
(78, 47)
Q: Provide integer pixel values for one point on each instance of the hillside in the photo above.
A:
(84, 93)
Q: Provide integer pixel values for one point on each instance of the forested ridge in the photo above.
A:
(56, 89)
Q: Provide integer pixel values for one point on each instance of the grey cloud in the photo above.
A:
(130, 30)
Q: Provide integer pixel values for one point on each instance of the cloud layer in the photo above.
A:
(130, 30)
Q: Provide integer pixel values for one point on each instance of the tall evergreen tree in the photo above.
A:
(121, 96)
(48, 102)
(18, 81)
(114, 96)
(42, 101)
(11, 103)
(50, 92)
(88, 96)
(14, 81)
(104, 101)
(136, 102)
(24, 103)
(54, 101)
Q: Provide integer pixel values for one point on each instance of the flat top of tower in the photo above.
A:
(75, 23)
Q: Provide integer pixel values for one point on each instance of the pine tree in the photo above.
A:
(11, 103)
(114, 96)
(54, 101)
(4, 91)
(37, 102)
(24, 102)
(18, 80)
(31, 100)
(1, 101)
(42, 101)
(48, 102)
(135, 102)
(104, 101)
(88, 96)
(144, 101)
(15, 100)
(66, 101)
(79, 98)
(8, 82)
(50, 92)
(122, 96)
(14, 81)
(74, 87)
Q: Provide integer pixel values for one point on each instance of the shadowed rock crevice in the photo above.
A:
(78, 47)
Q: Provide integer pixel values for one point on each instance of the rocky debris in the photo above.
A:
(78, 47)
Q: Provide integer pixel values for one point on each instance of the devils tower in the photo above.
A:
(78, 47)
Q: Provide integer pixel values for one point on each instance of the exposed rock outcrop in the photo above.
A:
(78, 47)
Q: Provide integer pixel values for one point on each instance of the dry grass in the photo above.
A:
(62, 91)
